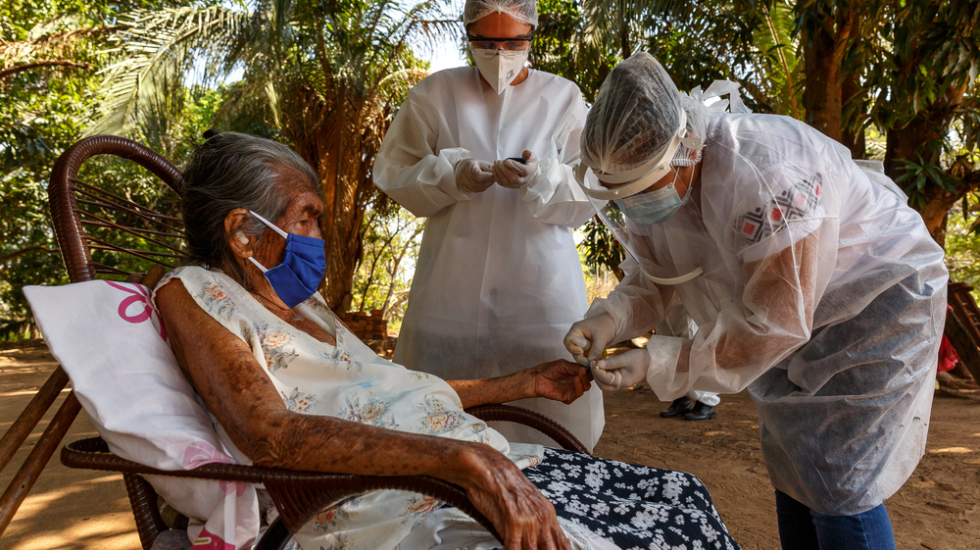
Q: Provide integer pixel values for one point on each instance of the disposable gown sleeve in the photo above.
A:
(554, 196)
(637, 305)
(786, 273)
(411, 171)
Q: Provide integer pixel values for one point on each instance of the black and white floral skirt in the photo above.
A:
(636, 507)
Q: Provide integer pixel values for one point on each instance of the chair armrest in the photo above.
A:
(299, 496)
(545, 425)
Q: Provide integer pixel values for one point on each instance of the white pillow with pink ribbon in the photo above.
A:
(110, 340)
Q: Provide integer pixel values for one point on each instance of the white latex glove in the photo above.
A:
(589, 337)
(514, 175)
(622, 371)
(474, 176)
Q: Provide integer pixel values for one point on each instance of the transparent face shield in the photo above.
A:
(634, 237)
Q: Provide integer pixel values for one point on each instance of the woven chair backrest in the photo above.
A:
(105, 233)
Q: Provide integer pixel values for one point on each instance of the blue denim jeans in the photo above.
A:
(800, 528)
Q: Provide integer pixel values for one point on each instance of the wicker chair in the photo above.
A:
(93, 222)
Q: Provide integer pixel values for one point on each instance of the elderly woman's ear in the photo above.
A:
(235, 223)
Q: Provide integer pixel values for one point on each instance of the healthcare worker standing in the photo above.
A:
(498, 279)
(811, 284)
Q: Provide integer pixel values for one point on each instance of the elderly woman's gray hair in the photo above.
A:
(229, 171)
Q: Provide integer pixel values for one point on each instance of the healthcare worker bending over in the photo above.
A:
(498, 280)
(811, 284)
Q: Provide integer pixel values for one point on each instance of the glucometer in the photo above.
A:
(521, 160)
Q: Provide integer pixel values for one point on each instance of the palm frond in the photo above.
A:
(612, 23)
(775, 40)
(156, 50)
(249, 104)
(54, 43)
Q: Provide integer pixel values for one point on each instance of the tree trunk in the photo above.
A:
(852, 95)
(398, 260)
(911, 143)
(936, 214)
(822, 91)
(327, 133)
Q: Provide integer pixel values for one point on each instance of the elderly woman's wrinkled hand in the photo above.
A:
(561, 380)
(522, 515)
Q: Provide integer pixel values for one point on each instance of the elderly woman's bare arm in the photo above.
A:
(243, 399)
(558, 380)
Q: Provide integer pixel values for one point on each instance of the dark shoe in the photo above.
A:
(679, 407)
(700, 412)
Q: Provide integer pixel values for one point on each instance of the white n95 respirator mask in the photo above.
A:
(499, 67)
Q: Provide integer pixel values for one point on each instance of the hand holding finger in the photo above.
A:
(588, 338)
(608, 380)
(623, 371)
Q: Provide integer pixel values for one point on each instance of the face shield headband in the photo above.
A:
(605, 200)
(643, 176)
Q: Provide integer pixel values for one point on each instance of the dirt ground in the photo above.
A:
(938, 509)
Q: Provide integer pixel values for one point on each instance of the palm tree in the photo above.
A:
(326, 77)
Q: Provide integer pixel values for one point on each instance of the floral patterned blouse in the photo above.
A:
(351, 382)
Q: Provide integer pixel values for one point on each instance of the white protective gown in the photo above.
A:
(677, 322)
(822, 292)
(498, 280)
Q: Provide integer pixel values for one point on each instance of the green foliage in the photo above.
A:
(963, 248)
(917, 176)
(697, 42)
(45, 110)
(918, 64)
(600, 251)
(391, 240)
(39, 113)
(156, 50)
(917, 53)
(775, 40)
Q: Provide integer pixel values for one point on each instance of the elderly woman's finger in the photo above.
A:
(551, 534)
(576, 392)
(561, 540)
(530, 539)
(554, 537)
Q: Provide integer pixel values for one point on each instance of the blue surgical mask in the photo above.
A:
(299, 273)
(653, 207)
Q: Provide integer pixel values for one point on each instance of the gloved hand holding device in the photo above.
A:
(474, 176)
(513, 174)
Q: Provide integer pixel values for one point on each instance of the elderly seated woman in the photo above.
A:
(292, 388)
